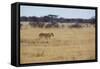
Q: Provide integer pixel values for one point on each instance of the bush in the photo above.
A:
(75, 26)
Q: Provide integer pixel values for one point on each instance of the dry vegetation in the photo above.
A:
(68, 44)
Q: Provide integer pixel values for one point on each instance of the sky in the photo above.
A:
(61, 12)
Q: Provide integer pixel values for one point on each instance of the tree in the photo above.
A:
(52, 18)
(92, 19)
(23, 18)
(33, 18)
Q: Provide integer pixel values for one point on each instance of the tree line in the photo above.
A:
(56, 19)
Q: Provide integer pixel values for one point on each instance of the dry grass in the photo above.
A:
(66, 45)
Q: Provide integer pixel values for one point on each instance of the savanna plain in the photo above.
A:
(67, 44)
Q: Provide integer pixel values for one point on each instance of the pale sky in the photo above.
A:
(61, 12)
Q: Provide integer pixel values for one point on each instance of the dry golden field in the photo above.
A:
(68, 44)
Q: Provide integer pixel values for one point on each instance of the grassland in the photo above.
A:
(68, 44)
